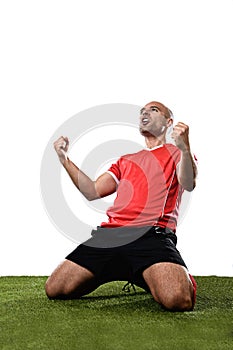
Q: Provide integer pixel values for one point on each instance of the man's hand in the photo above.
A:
(180, 135)
(61, 147)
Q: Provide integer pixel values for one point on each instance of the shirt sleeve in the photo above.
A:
(115, 171)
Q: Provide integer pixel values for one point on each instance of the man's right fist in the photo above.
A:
(61, 147)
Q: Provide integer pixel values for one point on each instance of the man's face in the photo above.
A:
(152, 119)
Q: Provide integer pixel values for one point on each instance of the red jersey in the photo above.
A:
(148, 191)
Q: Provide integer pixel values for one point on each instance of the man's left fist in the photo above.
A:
(180, 135)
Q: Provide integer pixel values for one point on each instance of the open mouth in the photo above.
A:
(145, 121)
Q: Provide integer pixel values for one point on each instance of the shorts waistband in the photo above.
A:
(163, 230)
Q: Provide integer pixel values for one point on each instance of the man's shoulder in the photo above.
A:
(133, 155)
(170, 146)
(172, 149)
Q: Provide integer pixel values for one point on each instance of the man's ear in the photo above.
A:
(169, 122)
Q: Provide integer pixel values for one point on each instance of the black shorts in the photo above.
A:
(127, 262)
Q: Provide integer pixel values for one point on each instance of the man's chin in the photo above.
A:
(145, 132)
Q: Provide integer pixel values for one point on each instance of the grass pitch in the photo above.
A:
(113, 320)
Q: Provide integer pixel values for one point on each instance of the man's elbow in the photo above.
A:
(189, 187)
(91, 196)
(187, 183)
(90, 192)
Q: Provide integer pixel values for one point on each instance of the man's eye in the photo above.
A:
(154, 109)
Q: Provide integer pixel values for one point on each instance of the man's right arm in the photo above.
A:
(103, 186)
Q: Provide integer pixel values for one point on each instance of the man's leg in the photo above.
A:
(70, 281)
(170, 285)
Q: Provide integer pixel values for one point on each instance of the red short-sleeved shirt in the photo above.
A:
(148, 191)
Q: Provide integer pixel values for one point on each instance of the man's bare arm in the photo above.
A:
(103, 186)
(186, 169)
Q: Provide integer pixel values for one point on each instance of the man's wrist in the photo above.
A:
(64, 160)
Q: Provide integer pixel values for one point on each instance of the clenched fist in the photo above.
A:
(180, 135)
(61, 147)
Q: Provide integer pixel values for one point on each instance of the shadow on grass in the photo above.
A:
(105, 298)
(113, 296)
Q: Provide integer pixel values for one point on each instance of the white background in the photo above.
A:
(61, 57)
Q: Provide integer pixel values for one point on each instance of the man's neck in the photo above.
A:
(152, 141)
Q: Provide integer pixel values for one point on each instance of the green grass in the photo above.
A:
(111, 319)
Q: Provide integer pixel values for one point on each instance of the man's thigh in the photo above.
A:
(170, 285)
(70, 280)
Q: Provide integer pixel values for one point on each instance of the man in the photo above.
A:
(149, 187)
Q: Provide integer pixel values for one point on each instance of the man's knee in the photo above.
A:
(68, 280)
(51, 289)
(55, 290)
(178, 301)
(69, 288)
(170, 285)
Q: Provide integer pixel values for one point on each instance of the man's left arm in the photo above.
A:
(186, 169)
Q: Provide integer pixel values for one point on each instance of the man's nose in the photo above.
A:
(145, 112)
